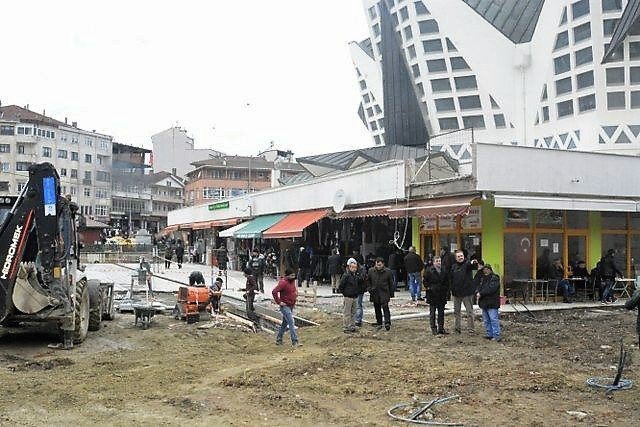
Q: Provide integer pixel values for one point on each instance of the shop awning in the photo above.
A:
(255, 227)
(225, 222)
(432, 208)
(566, 203)
(184, 227)
(229, 231)
(293, 224)
(364, 212)
(202, 225)
(169, 229)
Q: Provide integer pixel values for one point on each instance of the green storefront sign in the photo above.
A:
(219, 205)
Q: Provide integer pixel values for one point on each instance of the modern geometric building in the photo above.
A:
(560, 74)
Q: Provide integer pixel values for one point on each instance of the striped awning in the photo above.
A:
(433, 208)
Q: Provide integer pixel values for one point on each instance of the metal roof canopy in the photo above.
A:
(229, 231)
(294, 223)
(431, 208)
(254, 228)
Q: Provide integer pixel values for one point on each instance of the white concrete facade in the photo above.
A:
(174, 151)
(550, 92)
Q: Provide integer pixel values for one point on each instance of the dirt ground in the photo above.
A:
(177, 374)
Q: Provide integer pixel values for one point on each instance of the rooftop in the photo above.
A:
(516, 19)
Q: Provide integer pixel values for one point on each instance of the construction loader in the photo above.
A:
(41, 279)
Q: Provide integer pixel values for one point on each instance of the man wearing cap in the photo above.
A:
(351, 285)
(488, 296)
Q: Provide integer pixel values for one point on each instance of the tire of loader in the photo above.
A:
(95, 305)
(82, 309)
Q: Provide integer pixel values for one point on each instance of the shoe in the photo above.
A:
(387, 327)
(278, 342)
(457, 331)
(420, 299)
(488, 337)
(359, 324)
(434, 332)
(378, 327)
(603, 302)
(296, 344)
(613, 300)
(443, 332)
(496, 339)
(349, 331)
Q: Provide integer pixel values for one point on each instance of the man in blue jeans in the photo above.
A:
(285, 295)
(488, 297)
(414, 265)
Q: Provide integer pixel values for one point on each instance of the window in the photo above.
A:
(608, 25)
(376, 139)
(5, 148)
(432, 46)
(609, 5)
(615, 101)
(404, 14)
(473, 122)
(562, 64)
(450, 46)
(87, 158)
(436, 65)
(420, 8)
(74, 139)
(87, 192)
(584, 80)
(634, 50)
(363, 85)
(63, 171)
(99, 159)
(448, 123)
(428, 27)
(495, 105)
(370, 112)
(104, 145)
(7, 130)
(4, 185)
(88, 142)
(587, 103)
(420, 89)
(24, 130)
(412, 51)
(580, 8)
(20, 149)
(562, 40)
(46, 151)
(545, 114)
(469, 102)
(408, 34)
(584, 56)
(416, 70)
(62, 154)
(73, 190)
(581, 32)
(563, 86)
(634, 75)
(74, 173)
(373, 125)
(87, 175)
(372, 12)
(635, 99)
(74, 156)
(458, 63)
(101, 193)
(617, 55)
(5, 167)
(366, 98)
(565, 108)
(466, 82)
(375, 107)
(23, 166)
(445, 104)
(500, 121)
(440, 85)
(615, 76)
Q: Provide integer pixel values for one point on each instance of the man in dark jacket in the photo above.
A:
(436, 282)
(179, 254)
(223, 258)
(380, 287)
(394, 266)
(462, 289)
(304, 267)
(414, 265)
(634, 302)
(609, 273)
(250, 293)
(256, 264)
(351, 285)
(334, 265)
(488, 296)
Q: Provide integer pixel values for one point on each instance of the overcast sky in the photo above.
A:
(235, 74)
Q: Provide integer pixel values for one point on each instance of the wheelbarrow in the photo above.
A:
(143, 313)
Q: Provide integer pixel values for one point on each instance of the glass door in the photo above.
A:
(576, 250)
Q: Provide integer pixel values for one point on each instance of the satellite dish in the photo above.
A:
(339, 201)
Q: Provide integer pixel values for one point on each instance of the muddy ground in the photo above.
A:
(176, 374)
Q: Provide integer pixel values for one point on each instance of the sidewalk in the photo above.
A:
(401, 306)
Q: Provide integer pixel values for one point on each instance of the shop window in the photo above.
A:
(614, 221)
(617, 242)
(577, 220)
(634, 221)
(576, 251)
(518, 260)
(448, 242)
(517, 218)
(548, 250)
(635, 255)
(549, 219)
